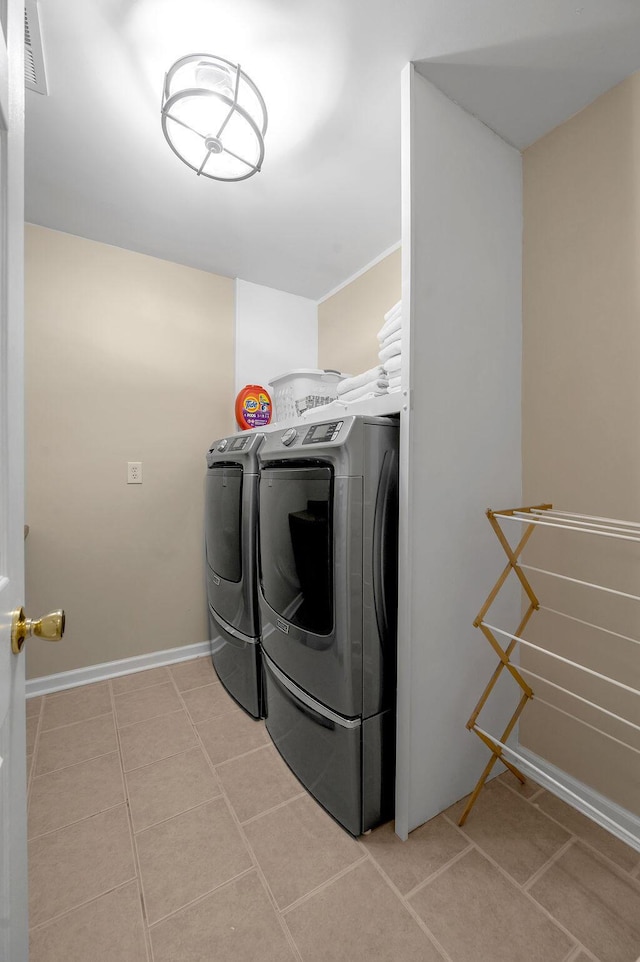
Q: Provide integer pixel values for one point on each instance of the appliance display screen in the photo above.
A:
(322, 432)
(238, 444)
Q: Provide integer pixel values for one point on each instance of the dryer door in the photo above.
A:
(230, 544)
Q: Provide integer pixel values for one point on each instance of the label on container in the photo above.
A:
(253, 407)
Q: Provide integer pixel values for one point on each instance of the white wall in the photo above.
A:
(462, 245)
(275, 333)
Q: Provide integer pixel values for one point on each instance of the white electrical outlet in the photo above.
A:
(134, 472)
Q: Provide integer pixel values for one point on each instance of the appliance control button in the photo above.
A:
(289, 436)
(223, 444)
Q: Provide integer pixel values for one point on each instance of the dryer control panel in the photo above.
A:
(319, 433)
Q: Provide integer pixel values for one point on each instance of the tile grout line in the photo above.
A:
(194, 808)
(410, 909)
(143, 721)
(434, 875)
(81, 905)
(235, 758)
(136, 691)
(165, 758)
(130, 771)
(181, 751)
(270, 811)
(78, 821)
(533, 802)
(64, 827)
(263, 879)
(281, 913)
(186, 811)
(134, 674)
(148, 718)
(134, 851)
(216, 681)
(230, 761)
(199, 721)
(615, 867)
(234, 818)
(249, 849)
(572, 954)
(83, 761)
(63, 768)
(322, 886)
(34, 755)
(581, 950)
(202, 898)
(539, 872)
(519, 887)
(583, 841)
(66, 691)
(514, 790)
(135, 878)
(79, 721)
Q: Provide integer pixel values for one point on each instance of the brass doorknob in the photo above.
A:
(50, 627)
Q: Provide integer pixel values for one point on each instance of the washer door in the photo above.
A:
(296, 545)
(311, 580)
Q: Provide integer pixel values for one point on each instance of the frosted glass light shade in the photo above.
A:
(214, 117)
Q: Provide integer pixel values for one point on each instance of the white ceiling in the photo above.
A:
(328, 198)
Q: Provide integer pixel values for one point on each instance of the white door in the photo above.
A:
(13, 848)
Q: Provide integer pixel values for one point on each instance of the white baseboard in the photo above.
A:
(600, 809)
(112, 669)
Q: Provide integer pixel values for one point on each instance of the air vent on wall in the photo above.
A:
(34, 75)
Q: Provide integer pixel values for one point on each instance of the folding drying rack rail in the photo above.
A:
(533, 517)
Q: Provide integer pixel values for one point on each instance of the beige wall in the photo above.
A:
(349, 321)
(581, 419)
(128, 358)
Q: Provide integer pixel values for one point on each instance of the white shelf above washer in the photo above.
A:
(381, 406)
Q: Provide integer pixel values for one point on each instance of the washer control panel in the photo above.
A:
(322, 433)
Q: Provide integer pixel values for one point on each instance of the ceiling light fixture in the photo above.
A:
(214, 117)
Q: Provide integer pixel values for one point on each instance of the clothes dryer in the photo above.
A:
(328, 601)
(231, 517)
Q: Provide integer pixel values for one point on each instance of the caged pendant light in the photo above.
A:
(214, 117)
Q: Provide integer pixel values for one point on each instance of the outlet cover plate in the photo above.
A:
(134, 472)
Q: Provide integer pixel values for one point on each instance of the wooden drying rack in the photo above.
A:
(504, 654)
(546, 516)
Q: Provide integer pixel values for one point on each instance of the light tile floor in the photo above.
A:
(164, 827)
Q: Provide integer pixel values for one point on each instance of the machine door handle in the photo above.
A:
(50, 627)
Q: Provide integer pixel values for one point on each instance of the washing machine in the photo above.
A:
(328, 524)
(231, 519)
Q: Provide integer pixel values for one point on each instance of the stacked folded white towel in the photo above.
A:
(369, 384)
(390, 353)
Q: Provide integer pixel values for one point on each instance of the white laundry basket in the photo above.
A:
(296, 391)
